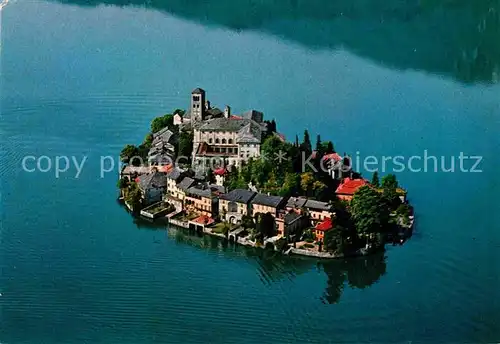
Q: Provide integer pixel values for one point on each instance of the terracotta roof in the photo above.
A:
(204, 220)
(350, 186)
(165, 168)
(333, 156)
(220, 171)
(324, 226)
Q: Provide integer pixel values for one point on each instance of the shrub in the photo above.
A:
(308, 245)
(309, 240)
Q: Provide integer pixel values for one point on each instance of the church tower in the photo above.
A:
(198, 105)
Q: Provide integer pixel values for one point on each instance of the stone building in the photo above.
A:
(220, 138)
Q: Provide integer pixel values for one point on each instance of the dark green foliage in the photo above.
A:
(162, 122)
(390, 194)
(134, 197)
(247, 222)
(266, 225)
(375, 181)
(123, 183)
(128, 152)
(281, 245)
(234, 180)
(185, 146)
(319, 146)
(369, 211)
(389, 182)
(327, 147)
(210, 176)
(291, 185)
(306, 144)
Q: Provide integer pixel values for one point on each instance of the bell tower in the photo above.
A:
(198, 105)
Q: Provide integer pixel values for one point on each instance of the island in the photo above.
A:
(235, 176)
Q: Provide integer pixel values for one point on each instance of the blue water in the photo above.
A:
(84, 81)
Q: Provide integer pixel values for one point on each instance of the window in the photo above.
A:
(210, 141)
(230, 141)
(217, 141)
(223, 141)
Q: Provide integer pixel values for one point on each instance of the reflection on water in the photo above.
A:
(360, 273)
(457, 38)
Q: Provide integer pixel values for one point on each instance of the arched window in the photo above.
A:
(230, 141)
(210, 141)
(217, 141)
(223, 141)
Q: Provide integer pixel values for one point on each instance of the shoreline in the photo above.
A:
(230, 188)
(244, 242)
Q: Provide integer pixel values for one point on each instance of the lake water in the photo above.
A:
(377, 78)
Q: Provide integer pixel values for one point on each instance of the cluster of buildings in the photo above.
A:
(221, 139)
(162, 148)
(211, 201)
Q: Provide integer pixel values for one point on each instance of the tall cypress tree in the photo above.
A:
(306, 144)
(319, 147)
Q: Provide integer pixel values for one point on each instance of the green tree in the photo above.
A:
(185, 146)
(259, 170)
(123, 183)
(327, 147)
(319, 145)
(306, 144)
(210, 176)
(375, 181)
(272, 184)
(272, 146)
(319, 189)
(306, 182)
(291, 185)
(134, 197)
(266, 225)
(166, 121)
(148, 140)
(369, 212)
(336, 240)
(128, 152)
(389, 182)
(248, 222)
(390, 193)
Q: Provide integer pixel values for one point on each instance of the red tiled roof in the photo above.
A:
(137, 180)
(236, 117)
(324, 226)
(333, 156)
(165, 168)
(220, 171)
(204, 220)
(350, 186)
